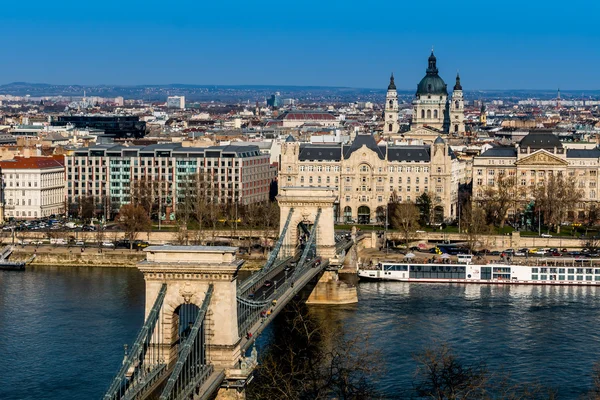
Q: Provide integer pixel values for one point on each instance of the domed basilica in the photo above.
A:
(433, 112)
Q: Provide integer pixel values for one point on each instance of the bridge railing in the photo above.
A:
(259, 277)
(250, 310)
(146, 361)
(191, 369)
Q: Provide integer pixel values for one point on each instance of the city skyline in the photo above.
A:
(313, 44)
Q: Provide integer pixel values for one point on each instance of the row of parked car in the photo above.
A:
(46, 224)
(120, 244)
(545, 251)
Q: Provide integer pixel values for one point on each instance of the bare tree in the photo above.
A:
(474, 225)
(316, 362)
(556, 198)
(441, 375)
(134, 220)
(498, 198)
(404, 217)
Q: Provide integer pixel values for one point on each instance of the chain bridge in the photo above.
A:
(201, 323)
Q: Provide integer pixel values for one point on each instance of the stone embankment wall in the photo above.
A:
(494, 242)
(76, 258)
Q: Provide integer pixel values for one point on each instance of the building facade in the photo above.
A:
(457, 109)
(430, 106)
(391, 125)
(114, 174)
(176, 102)
(434, 112)
(366, 175)
(531, 162)
(34, 187)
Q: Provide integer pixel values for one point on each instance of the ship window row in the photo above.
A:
(562, 277)
(436, 268)
(579, 271)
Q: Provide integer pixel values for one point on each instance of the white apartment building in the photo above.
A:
(176, 102)
(34, 187)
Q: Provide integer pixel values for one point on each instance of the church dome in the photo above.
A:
(432, 83)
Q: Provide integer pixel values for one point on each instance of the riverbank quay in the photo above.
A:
(73, 256)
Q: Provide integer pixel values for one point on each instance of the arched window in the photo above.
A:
(422, 113)
(391, 103)
(390, 127)
(435, 113)
(455, 128)
(456, 104)
(428, 113)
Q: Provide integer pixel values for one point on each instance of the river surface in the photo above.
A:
(62, 330)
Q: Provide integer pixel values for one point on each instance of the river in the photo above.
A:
(62, 330)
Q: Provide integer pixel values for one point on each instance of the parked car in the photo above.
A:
(80, 243)
(546, 235)
(108, 245)
(521, 252)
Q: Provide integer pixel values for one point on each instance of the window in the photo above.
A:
(435, 113)
(428, 114)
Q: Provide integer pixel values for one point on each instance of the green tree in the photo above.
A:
(425, 205)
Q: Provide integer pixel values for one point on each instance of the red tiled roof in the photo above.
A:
(31, 163)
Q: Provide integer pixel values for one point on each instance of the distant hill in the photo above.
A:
(252, 93)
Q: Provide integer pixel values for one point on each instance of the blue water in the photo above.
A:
(62, 330)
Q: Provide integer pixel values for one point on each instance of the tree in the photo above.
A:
(315, 362)
(556, 198)
(134, 220)
(497, 199)
(87, 208)
(473, 225)
(404, 217)
(425, 205)
(442, 375)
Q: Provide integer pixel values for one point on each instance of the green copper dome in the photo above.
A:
(432, 84)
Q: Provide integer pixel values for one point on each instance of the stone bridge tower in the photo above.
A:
(188, 271)
(306, 202)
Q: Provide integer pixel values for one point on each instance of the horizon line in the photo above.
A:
(276, 85)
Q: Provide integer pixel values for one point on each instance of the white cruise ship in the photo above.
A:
(557, 272)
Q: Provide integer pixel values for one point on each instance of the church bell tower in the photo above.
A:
(457, 110)
(391, 126)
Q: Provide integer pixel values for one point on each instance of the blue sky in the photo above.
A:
(495, 45)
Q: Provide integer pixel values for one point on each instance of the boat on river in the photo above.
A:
(543, 272)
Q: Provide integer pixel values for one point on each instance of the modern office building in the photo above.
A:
(112, 174)
(34, 187)
(365, 175)
(118, 126)
(176, 102)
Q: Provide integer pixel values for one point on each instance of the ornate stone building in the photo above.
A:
(365, 175)
(391, 109)
(457, 109)
(434, 113)
(537, 157)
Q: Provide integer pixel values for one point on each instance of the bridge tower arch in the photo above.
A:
(188, 272)
(306, 203)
